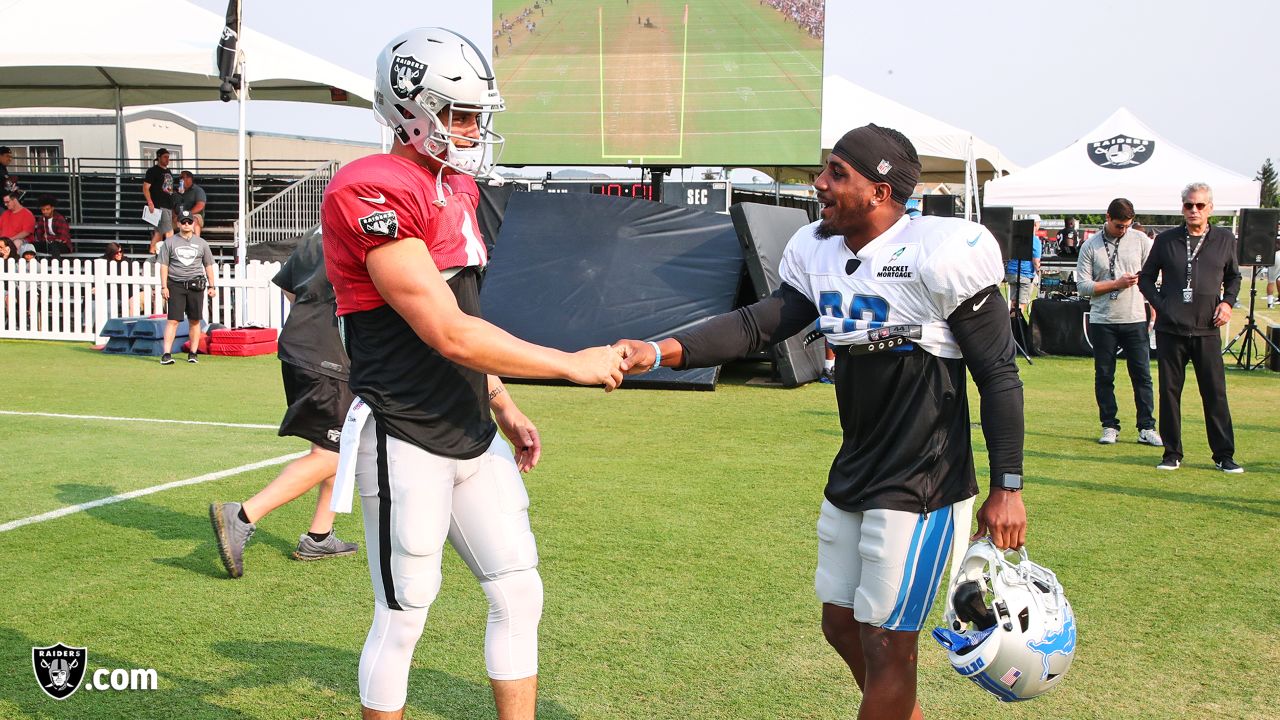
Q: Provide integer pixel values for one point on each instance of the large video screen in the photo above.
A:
(660, 82)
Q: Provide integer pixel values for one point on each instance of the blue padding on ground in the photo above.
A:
(154, 328)
(117, 345)
(575, 270)
(119, 327)
(153, 346)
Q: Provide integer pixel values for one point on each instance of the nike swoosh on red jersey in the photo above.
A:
(376, 201)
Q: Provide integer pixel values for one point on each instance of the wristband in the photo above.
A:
(657, 356)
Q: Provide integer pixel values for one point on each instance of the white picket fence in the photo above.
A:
(73, 299)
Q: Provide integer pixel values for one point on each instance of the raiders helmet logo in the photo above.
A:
(59, 669)
(1121, 152)
(383, 223)
(406, 76)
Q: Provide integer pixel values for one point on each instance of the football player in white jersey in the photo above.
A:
(912, 307)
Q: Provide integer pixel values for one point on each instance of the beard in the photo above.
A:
(825, 230)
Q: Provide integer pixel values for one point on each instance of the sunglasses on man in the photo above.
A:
(1198, 206)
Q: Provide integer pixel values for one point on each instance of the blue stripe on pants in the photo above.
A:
(919, 582)
(903, 587)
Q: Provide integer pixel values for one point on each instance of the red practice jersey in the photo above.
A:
(381, 198)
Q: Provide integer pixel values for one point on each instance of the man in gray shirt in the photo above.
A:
(186, 274)
(1107, 274)
(190, 197)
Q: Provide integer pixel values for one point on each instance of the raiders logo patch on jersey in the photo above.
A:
(383, 223)
(406, 75)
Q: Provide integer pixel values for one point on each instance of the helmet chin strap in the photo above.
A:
(440, 200)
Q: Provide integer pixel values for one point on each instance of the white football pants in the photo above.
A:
(412, 500)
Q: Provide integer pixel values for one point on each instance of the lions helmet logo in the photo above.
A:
(59, 669)
(406, 76)
(383, 223)
(1121, 152)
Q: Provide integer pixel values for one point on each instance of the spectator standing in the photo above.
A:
(16, 222)
(315, 369)
(1200, 283)
(157, 189)
(190, 197)
(186, 274)
(1069, 239)
(1273, 279)
(8, 183)
(1022, 275)
(52, 233)
(1107, 274)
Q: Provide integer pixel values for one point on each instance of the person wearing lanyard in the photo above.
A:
(1107, 274)
(1200, 281)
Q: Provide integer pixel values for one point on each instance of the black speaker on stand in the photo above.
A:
(1256, 246)
(940, 205)
(999, 220)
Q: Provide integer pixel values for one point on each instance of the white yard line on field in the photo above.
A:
(147, 491)
(146, 420)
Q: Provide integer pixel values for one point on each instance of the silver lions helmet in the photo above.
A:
(424, 77)
(1009, 627)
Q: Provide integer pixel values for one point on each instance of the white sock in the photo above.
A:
(829, 364)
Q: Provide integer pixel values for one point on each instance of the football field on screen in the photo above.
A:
(656, 82)
(676, 533)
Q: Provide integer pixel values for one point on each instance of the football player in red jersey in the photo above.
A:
(403, 250)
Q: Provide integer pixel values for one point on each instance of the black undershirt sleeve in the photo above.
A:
(986, 340)
(726, 337)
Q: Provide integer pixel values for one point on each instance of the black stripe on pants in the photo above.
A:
(1205, 354)
(384, 520)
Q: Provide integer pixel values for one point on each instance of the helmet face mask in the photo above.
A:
(428, 82)
(1009, 627)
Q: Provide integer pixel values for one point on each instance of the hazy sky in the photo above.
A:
(1029, 76)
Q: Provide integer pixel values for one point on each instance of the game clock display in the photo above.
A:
(711, 195)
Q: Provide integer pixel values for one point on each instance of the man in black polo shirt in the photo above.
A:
(314, 366)
(1200, 281)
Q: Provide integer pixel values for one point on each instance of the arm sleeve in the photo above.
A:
(162, 254)
(1231, 276)
(1147, 275)
(731, 335)
(986, 340)
(1085, 283)
(284, 278)
(371, 225)
(208, 255)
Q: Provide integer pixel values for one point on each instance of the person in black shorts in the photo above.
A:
(186, 274)
(314, 366)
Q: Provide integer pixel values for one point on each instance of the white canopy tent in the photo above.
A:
(947, 154)
(118, 54)
(1122, 157)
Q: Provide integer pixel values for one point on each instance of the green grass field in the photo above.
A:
(730, 83)
(677, 539)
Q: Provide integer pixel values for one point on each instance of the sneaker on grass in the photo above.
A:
(191, 358)
(331, 546)
(1169, 464)
(1149, 436)
(232, 534)
(166, 359)
(1109, 436)
(1229, 466)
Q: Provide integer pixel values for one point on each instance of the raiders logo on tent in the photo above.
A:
(1121, 152)
(406, 76)
(59, 669)
(382, 223)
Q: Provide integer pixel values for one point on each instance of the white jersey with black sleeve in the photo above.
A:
(900, 374)
(915, 275)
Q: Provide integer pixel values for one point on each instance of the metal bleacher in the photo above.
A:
(102, 198)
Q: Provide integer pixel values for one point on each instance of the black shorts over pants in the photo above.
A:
(318, 406)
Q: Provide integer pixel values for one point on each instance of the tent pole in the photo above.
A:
(241, 231)
(120, 150)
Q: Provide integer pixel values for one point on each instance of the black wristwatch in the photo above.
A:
(1008, 481)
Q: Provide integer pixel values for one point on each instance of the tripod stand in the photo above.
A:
(1017, 325)
(1248, 347)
